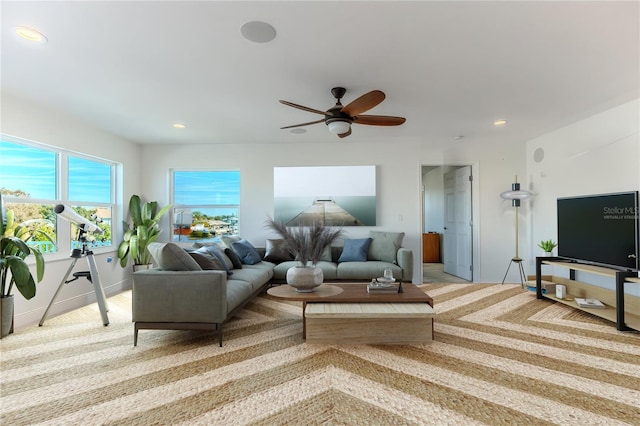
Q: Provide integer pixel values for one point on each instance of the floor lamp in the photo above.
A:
(515, 195)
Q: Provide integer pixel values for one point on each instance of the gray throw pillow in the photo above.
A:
(246, 252)
(384, 245)
(171, 257)
(214, 251)
(221, 251)
(237, 263)
(355, 250)
(326, 255)
(277, 251)
(207, 261)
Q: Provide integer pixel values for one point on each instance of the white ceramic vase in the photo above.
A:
(305, 278)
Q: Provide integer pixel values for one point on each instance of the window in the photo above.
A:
(34, 179)
(205, 204)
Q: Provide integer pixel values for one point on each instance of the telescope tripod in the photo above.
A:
(91, 275)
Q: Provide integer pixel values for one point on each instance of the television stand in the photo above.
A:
(622, 309)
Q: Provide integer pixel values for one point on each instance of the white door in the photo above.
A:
(458, 224)
(449, 251)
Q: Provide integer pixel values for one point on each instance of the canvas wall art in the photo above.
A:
(332, 195)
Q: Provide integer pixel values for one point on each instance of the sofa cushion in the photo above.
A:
(277, 251)
(246, 252)
(238, 292)
(355, 250)
(384, 245)
(207, 261)
(237, 263)
(257, 275)
(171, 257)
(365, 270)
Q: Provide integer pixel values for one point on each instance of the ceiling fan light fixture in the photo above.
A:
(338, 127)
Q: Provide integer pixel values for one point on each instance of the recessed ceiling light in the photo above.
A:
(500, 122)
(30, 34)
(298, 130)
(179, 125)
(459, 137)
(258, 32)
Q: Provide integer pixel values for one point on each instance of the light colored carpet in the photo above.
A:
(500, 357)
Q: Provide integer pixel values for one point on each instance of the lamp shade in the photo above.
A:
(338, 127)
(516, 194)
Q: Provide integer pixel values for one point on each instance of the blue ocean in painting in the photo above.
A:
(362, 208)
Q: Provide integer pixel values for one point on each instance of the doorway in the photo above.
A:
(447, 223)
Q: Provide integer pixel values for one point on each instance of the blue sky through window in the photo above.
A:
(89, 181)
(33, 171)
(29, 169)
(207, 188)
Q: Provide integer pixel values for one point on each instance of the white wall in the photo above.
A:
(398, 179)
(598, 155)
(494, 169)
(25, 120)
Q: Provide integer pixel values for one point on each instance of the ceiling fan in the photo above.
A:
(339, 118)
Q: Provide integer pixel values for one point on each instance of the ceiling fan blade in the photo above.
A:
(303, 124)
(379, 120)
(364, 103)
(304, 108)
(345, 134)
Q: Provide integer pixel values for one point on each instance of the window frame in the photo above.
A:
(63, 227)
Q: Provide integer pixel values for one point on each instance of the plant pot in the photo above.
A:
(548, 254)
(6, 315)
(137, 268)
(305, 278)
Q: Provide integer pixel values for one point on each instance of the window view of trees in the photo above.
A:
(31, 181)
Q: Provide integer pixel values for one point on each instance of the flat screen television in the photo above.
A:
(600, 229)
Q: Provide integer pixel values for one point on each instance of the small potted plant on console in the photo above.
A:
(547, 246)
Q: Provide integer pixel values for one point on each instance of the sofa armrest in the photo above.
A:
(404, 258)
(179, 296)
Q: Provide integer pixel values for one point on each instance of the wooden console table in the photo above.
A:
(615, 300)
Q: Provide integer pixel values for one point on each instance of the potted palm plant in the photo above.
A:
(307, 244)
(142, 231)
(14, 271)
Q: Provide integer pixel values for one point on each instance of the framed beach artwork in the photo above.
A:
(332, 195)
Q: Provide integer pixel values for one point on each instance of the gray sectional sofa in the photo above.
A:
(200, 289)
(333, 270)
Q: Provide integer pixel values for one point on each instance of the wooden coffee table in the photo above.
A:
(350, 293)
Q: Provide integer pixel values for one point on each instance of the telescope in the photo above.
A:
(84, 226)
(82, 222)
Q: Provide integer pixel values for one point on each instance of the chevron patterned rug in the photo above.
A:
(499, 357)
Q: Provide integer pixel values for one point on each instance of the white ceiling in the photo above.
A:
(450, 68)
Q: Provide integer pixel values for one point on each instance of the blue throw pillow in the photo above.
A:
(355, 250)
(246, 252)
